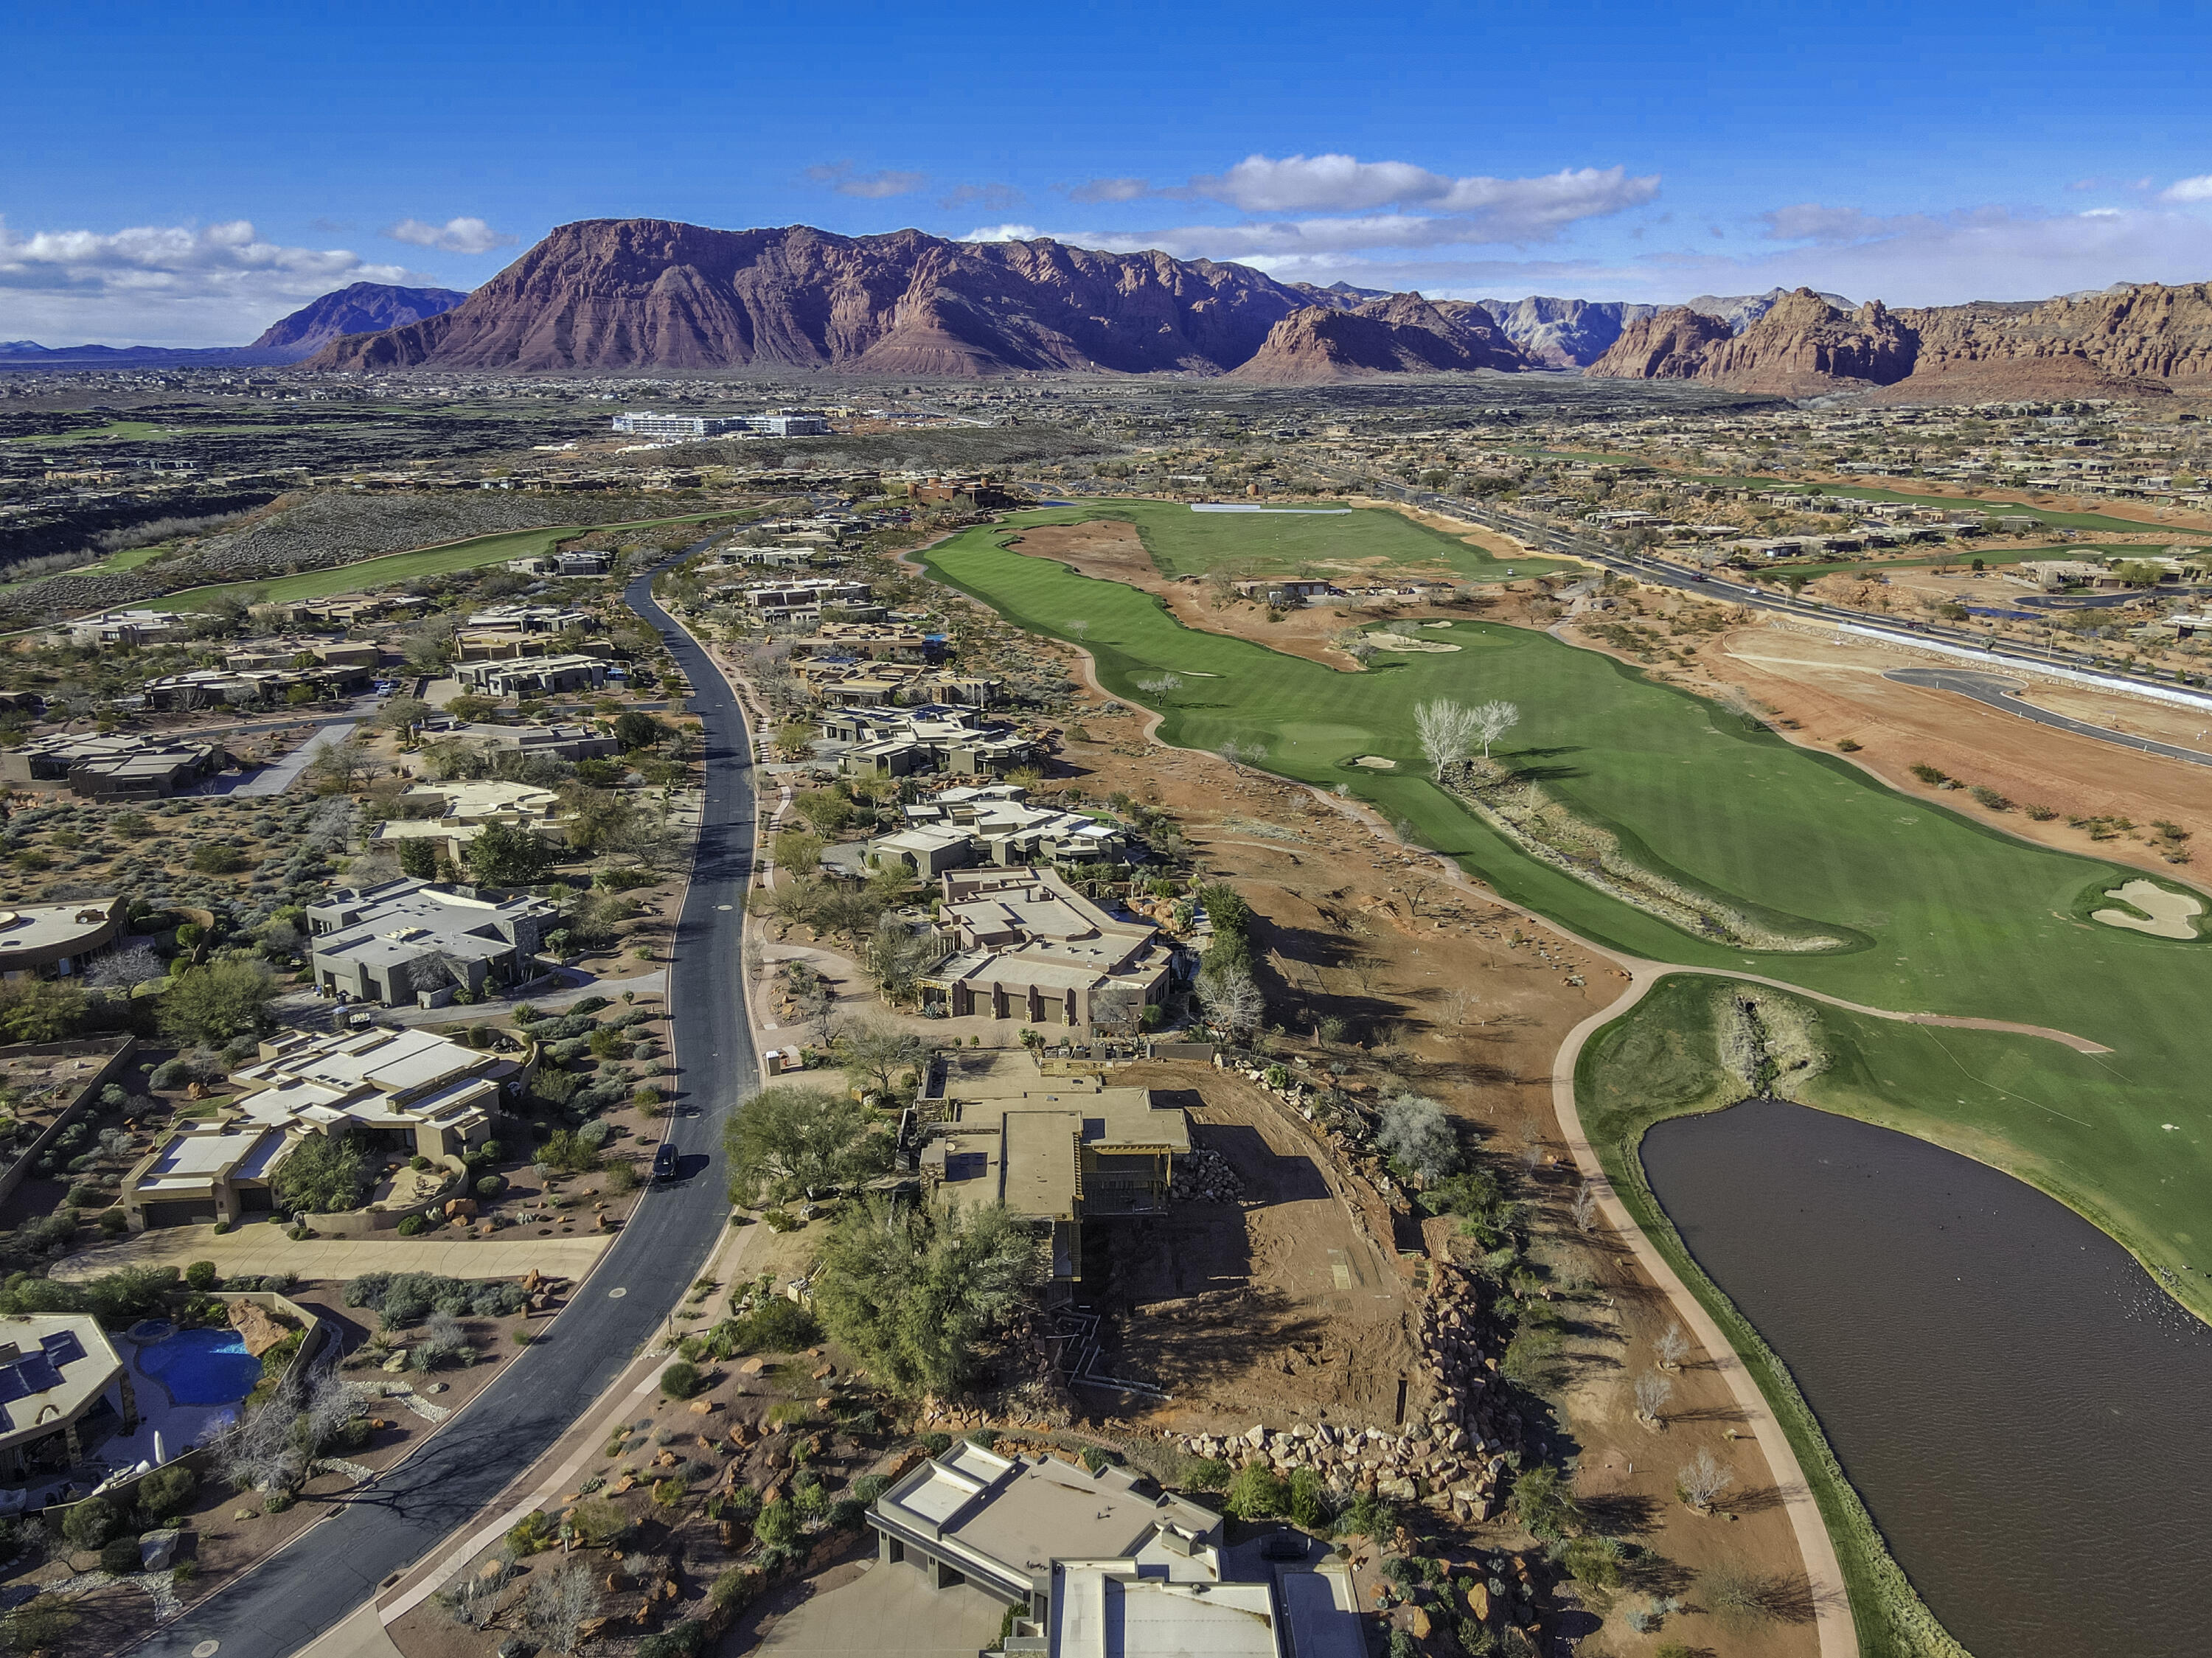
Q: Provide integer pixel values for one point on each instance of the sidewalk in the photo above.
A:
(262, 1249)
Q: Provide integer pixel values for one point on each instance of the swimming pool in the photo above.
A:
(202, 1367)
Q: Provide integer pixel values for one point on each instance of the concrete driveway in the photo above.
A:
(888, 1611)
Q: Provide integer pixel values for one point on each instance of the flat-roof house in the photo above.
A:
(901, 742)
(57, 1370)
(402, 1092)
(993, 823)
(119, 767)
(406, 940)
(537, 676)
(999, 1522)
(1026, 945)
(57, 940)
(1056, 1150)
(466, 807)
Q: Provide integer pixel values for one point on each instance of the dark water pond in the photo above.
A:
(2027, 1417)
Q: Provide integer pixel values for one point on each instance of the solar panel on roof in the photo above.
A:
(63, 1347)
(11, 1384)
(38, 1373)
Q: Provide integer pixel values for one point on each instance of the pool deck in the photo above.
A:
(262, 1247)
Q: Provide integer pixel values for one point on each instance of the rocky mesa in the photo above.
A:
(622, 293)
(2140, 338)
(1403, 334)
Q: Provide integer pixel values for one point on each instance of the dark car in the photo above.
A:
(664, 1163)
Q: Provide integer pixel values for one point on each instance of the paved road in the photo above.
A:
(320, 1579)
(2000, 693)
(1545, 537)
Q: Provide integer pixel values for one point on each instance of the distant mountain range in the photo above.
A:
(651, 295)
(364, 308)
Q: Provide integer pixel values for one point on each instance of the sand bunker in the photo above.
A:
(1376, 762)
(2168, 911)
(1400, 642)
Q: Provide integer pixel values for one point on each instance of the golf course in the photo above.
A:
(1928, 910)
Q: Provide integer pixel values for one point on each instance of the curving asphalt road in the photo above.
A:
(2004, 693)
(319, 1580)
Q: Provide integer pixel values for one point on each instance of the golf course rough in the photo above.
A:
(1943, 914)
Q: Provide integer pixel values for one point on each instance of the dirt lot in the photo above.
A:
(1837, 691)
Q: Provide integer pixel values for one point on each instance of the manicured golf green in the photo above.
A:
(372, 573)
(1185, 542)
(1948, 915)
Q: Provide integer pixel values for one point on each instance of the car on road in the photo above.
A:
(663, 1162)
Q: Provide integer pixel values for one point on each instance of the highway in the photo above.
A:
(317, 1581)
(2003, 694)
(1550, 539)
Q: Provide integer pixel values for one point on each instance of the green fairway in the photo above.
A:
(373, 573)
(1946, 912)
(1184, 543)
(139, 431)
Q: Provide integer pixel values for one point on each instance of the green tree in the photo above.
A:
(1257, 1492)
(788, 1140)
(41, 1010)
(209, 1005)
(322, 1176)
(920, 1294)
(638, 730)
(419, 857)
(506, 855)
(874, 1052)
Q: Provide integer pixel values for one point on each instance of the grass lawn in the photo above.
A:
(373, 573)
(140, 431)
(1948, 914)
(1184, 543)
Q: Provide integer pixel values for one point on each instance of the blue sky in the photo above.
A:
(183, 175)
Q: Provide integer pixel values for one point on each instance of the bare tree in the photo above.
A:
(1672, 1348)
(1241, 755)
(1492, 721)
(1080, 629)
(473, 1598)
(1700, 1481)
(1160, 682)
(1414, 1130)
(331, 1403)
(560, 1604)
(1584, 1209)
(1231, 1001)
(259, 1454)
(126, 968)
(1532, 1145)
(1447, 731)
(1458, 1005)
(1652, 1392)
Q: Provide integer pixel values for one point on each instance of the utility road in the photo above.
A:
(319, 1580)
(2000, 693)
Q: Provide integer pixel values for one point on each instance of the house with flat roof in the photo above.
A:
(1026, 945)
(120, 767)
(57, 1370)
(399, 1092)
(559, 742)
(999, 1522)
(887, 742)
(1056, 1150)
(463, 809)
(994, 824)
(54, 941)
(397, 943)
(536, 675)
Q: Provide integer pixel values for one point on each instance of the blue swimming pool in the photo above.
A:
(202, 1367)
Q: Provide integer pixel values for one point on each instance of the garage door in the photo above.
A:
(180, 1214)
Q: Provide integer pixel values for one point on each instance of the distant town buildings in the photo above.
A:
(646, 424)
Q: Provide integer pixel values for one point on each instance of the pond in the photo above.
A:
(202, 1367)
(2027, 1416)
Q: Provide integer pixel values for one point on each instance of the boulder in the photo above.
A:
(705, 1407)
(256, 1326)
(157, 1550)
(461, 1208)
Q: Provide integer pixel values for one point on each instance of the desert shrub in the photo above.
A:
(1311, 1509)
(1208, 1474)
(201, 1275)
(777, 1326)
(164, 1493)
(119, 1555)
(599, 1523)
(534, 1532)
(1257, 1492)
(91, 1523)
(680, 1380)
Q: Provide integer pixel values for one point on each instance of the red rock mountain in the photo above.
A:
(2142, 337)
(616, 293)
(1402, 334)
(359, 309)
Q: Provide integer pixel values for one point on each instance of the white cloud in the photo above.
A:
(1000, 233)
(165, 284)
(1110, 189)
(870, 186)
(1491, 209)
(992, 198)
(454, 236)
(2198, 189)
